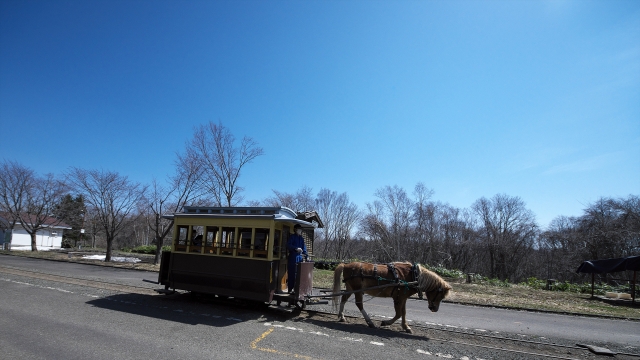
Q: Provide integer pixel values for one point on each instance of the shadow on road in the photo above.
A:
(185, 308)
(359, 326)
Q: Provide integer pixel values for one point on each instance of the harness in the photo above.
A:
(391, 269)
(415, 270)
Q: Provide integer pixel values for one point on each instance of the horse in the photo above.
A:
(398, 280)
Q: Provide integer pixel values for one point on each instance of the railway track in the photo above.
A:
(519, 348)
(98, 284)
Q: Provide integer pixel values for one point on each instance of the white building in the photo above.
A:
(47, 238)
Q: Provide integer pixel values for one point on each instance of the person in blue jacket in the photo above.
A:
(296, 248)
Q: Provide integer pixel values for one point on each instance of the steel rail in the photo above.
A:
(144, 290)
(99, 284)
(551, 345)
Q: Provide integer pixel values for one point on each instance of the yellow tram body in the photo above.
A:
(237, 252)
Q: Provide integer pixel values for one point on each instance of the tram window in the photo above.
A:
(245, 238)
(244, 242)
(227, 240)
(210, 235)
(276, 244)
(181, 238)
(196, 239)
(196, 235)
(261, 240)
(182, 235)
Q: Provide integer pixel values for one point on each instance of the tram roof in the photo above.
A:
(280, 213)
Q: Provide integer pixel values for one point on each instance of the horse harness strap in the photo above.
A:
(415, 270)
(392, 270)
(375, 274)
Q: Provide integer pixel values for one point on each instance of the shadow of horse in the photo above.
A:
(359, 326)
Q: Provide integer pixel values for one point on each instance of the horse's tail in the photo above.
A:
(337, 282)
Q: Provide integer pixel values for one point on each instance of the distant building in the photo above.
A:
(47, 238)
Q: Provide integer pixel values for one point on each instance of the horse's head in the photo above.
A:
(433, 286)
(435, 296)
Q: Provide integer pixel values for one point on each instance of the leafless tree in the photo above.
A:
(458, 230)
(220, 161)
(388, 223)
(424, 216)
(561, 247)
(508, 233)
(340, 217)
(183, 188)
(608, 228)
(15, 182)
(112, 196)
(93, 225)
(301, 200)
(30, 200)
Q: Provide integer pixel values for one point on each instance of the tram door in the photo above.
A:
(282, 274)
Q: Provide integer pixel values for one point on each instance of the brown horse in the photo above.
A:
(402, 279)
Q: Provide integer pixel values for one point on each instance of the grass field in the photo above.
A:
(514, 296)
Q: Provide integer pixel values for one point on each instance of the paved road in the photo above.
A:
(44, 319)
(575, 328)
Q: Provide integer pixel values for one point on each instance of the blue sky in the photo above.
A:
(535, 99)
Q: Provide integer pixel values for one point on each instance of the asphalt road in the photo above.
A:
(49, 316)
(486, 319)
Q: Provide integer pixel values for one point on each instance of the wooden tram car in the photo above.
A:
(238, 252)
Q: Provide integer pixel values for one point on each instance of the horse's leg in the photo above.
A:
(359, 299)
(397, 307)
(341, 311)
(404, 316)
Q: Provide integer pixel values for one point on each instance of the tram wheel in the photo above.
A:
(301, 305)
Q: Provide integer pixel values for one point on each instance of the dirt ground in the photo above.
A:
(515, 296)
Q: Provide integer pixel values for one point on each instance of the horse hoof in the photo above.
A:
(341, 320)
(408, 331)
(372, 326)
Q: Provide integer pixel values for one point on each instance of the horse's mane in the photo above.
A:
(429, 281)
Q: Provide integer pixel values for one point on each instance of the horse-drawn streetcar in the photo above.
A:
(241, 252)
(238, 252)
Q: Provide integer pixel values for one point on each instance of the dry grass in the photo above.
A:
(515, 296)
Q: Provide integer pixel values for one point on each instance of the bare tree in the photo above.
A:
(301, 200)
(183, 189)
(388, 223)
(30, 199)
(459, 238)
(508, 233)
(608, 228)
(15, 182)
(424, 217)
(340, 217)
(213, 149)
(561, 248)
(112, 196)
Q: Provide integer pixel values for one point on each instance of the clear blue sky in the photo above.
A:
(536, 99)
